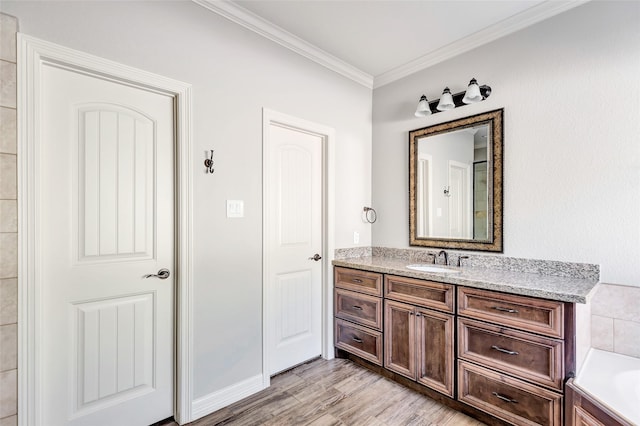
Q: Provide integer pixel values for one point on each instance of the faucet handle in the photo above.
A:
(460, 260)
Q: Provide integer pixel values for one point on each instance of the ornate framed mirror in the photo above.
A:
(455, 184)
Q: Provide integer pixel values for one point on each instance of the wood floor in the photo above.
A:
(335, 392)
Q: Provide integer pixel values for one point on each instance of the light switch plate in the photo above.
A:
(235, 208)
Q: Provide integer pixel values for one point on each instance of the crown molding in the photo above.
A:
(255, 23)
(507, 26)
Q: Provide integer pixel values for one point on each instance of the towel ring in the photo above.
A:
(371, 218)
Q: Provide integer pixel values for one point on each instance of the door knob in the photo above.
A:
(163, 274)
(316, 257)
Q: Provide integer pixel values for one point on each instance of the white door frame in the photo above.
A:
(327, 135)
(34, 54)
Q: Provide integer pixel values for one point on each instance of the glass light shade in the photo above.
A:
(446, 101)
(472, 95)
(423, 107)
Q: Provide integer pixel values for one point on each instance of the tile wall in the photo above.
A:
(615, 319)
(8, 224)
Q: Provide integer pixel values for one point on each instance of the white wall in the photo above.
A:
(570, 88)
(235, 73)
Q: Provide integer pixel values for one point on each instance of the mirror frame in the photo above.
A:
(494, 243)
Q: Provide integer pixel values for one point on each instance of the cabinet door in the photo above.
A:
(399, 338)
(434, 342)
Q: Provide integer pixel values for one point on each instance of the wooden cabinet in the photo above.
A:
(359, 281)
(429, 294)
(582, 409)
(508, 398)
(419, 341)
(535, 358)
(513, 352)
(358, 313)
(359, 308)
(511, 356)
(540, 316)
(358, 340)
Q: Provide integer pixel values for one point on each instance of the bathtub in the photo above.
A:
(614, 380)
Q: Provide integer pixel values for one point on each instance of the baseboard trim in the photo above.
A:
(224, 397)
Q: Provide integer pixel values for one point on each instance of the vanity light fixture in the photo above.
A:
(423, 107)
(474, 93)
(446, 101)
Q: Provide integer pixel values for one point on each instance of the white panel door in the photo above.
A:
(295, 230)
(107, 190)
(460, 206)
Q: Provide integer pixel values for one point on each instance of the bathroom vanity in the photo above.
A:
(497, 345)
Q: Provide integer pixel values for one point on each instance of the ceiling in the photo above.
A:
(376, 42)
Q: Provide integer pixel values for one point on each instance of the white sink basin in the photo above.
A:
(433, 268)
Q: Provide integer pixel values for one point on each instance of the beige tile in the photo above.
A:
(8, 216)
(8, 347)
(8, 301)
(8, 133)
(9, 421)
(8, 177)
(602, 332)
(8, 393)
(8, 255)
(626, 338)
(8, 29)
(617, 301)
(8, 92)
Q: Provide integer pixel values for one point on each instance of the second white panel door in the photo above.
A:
(295, 237)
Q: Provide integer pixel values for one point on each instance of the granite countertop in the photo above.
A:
(563, 289)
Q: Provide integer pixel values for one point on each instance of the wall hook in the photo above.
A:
(208, 163)
(370, 218)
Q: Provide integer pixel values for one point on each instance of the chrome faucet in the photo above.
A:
(446, 257)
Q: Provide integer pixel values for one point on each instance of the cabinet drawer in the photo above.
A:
(534, 358)
(360, 308)
(360, 341)
(507, 398)
(360, 281)
(525, 313)
(429, 294)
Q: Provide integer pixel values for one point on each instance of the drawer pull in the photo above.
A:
(355, 339)
(507, 310)
(357, 307)
(505, 351)
(357, 280)
(504, 398)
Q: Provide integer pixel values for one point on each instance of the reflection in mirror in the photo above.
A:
(452, 184)
(455, 182)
